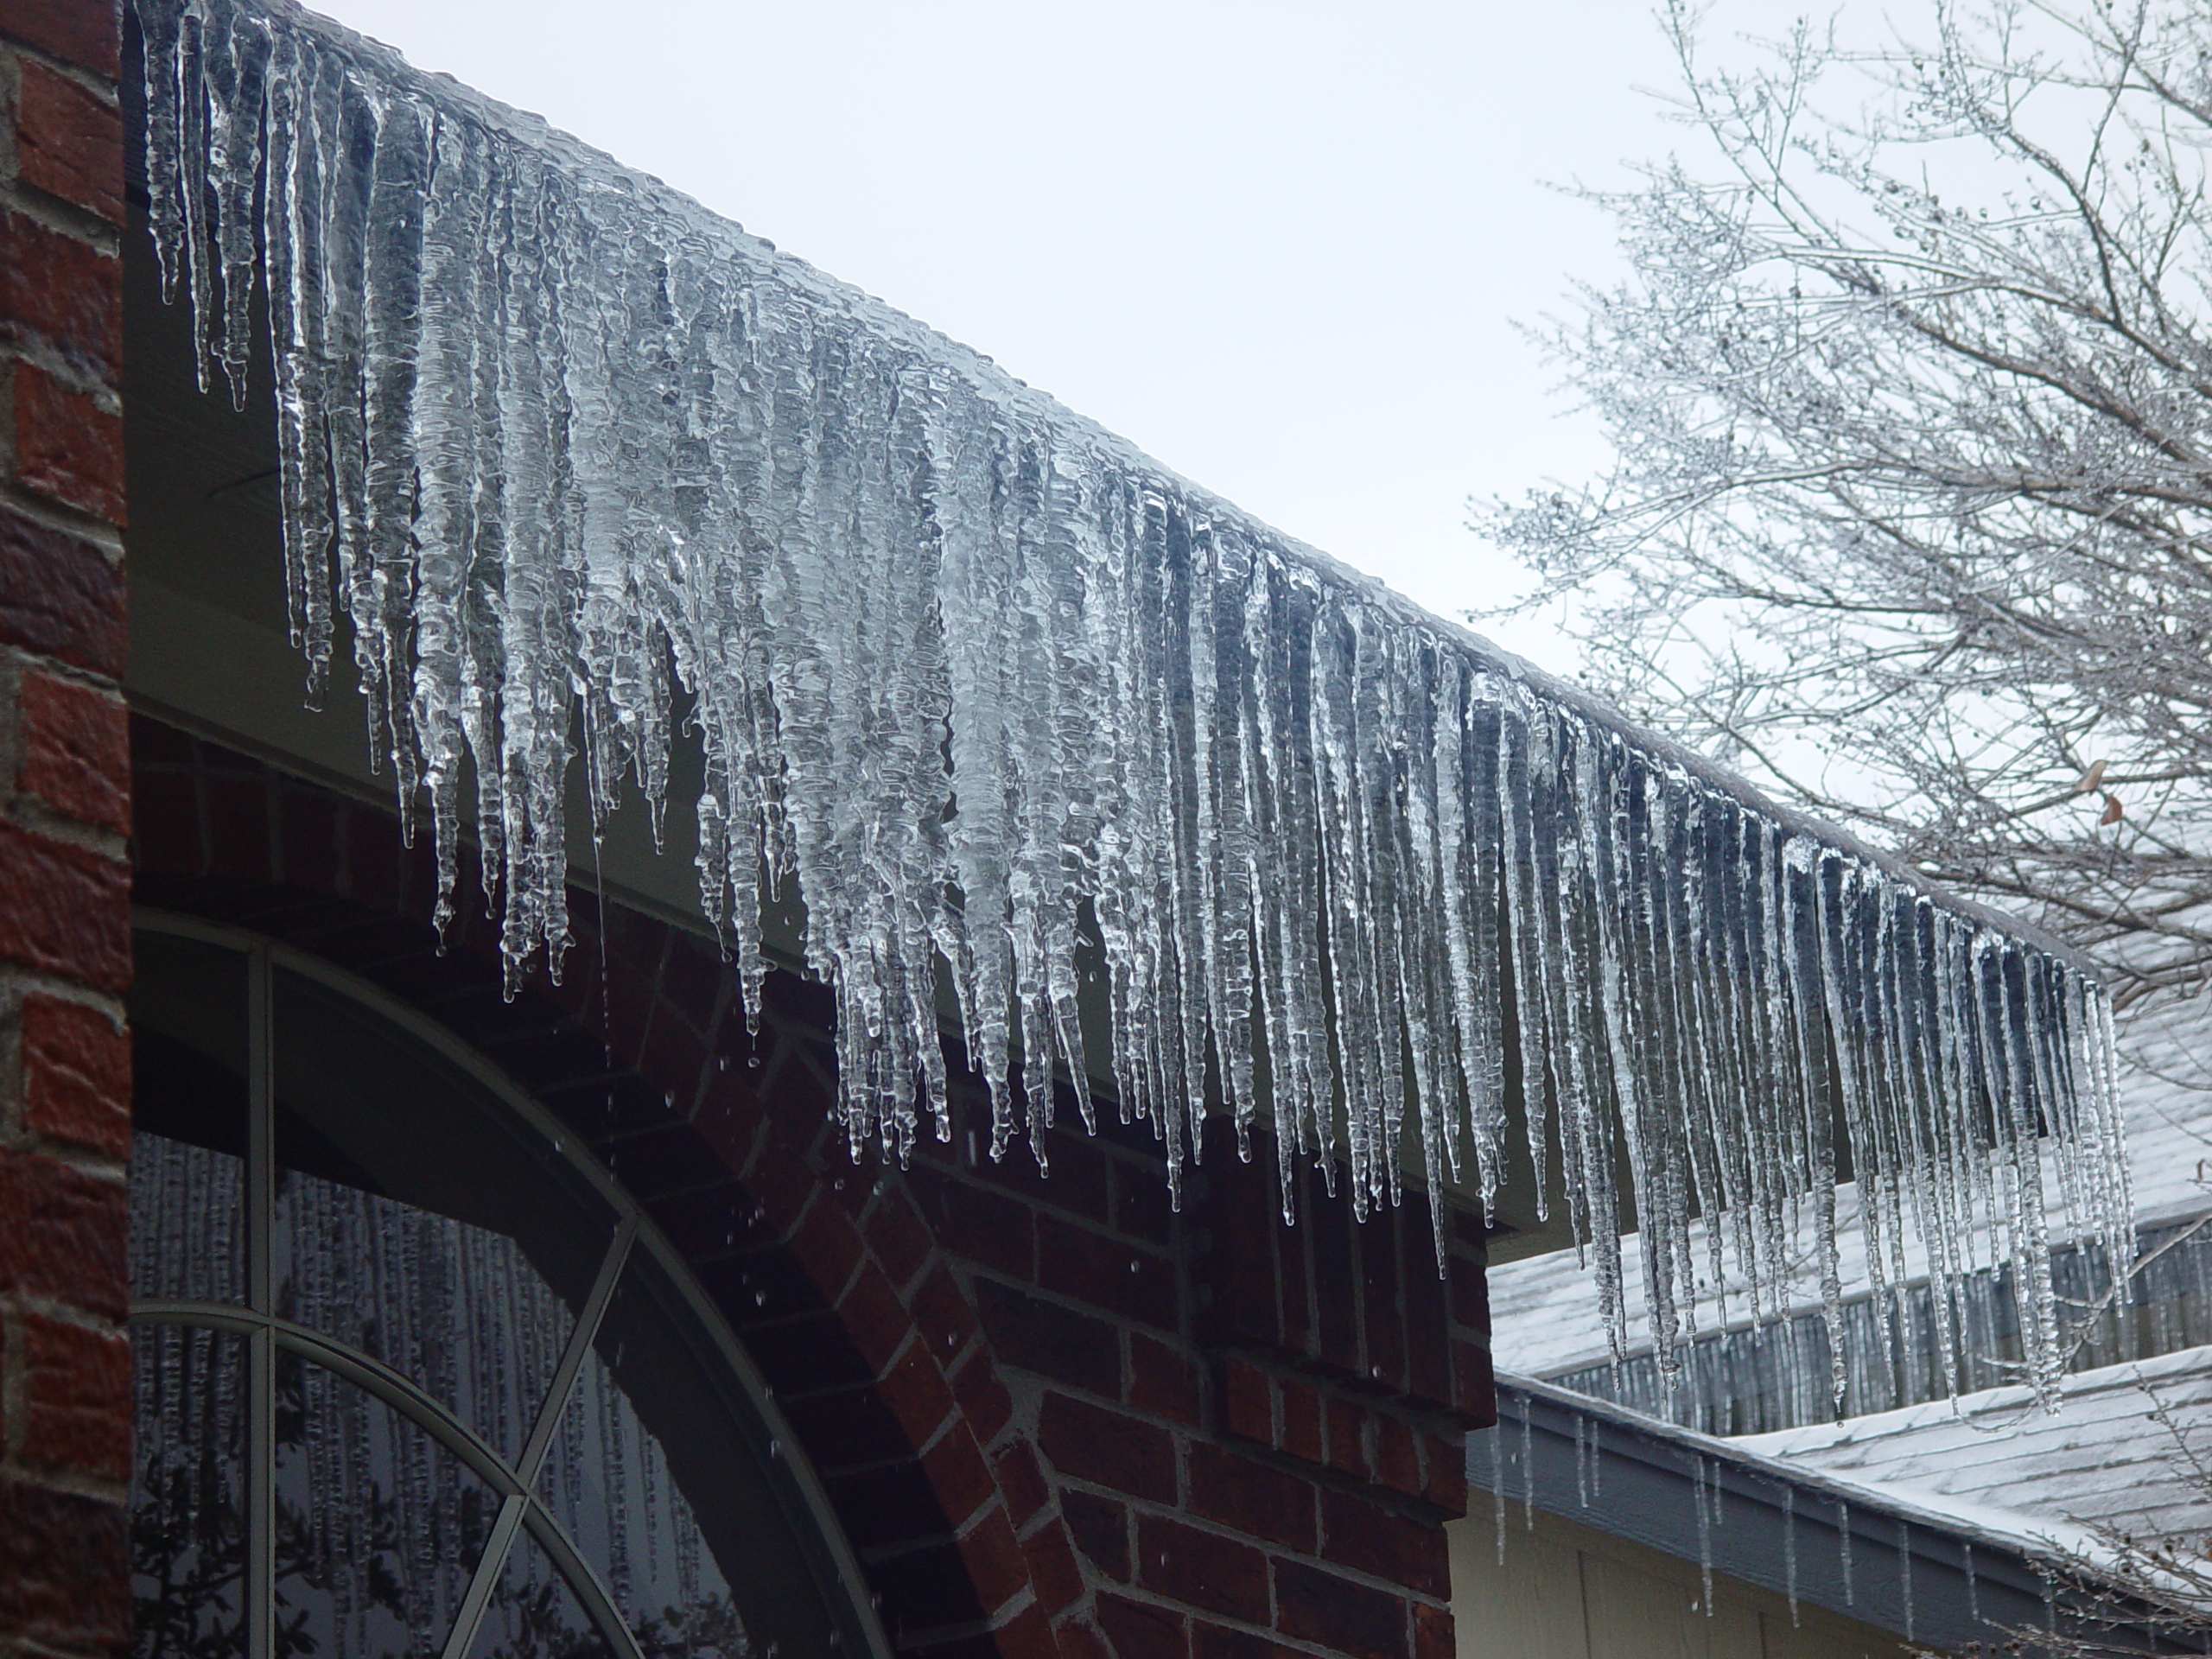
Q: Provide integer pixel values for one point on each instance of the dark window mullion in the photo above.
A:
(493, 1561)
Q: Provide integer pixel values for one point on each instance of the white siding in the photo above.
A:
(1566, 1592)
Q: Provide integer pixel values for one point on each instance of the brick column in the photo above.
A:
(65, 951)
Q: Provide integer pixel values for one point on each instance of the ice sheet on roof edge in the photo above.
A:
(1003, 699)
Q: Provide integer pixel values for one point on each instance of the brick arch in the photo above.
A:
(1055, 1417)
(831, 1276)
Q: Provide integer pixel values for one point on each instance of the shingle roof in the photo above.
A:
(2111, 1456)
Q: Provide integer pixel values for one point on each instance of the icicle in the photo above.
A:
(1843, 1541)
(1790, 1551)
(1528, 1467)
(1905, 1572)
(614, 1483)
(981, 690)
(1700, 1478)
(1581, 1462)
(1974, 1587)
(1497, 1488)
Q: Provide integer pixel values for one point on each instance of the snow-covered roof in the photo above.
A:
(1995, 1469)
(1931, 1567)
(2166, 1093)
(2107, 1457)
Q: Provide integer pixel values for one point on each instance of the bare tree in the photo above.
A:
(1911, 393)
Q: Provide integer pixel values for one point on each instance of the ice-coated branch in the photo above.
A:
(1004, 701)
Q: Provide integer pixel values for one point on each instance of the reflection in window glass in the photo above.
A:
(717, 1479)
(535, 1615)
(411, 1222)
(188, 1167)
(455, 1309)
(377, 1525)
(190, 996)
(188, 1513)
(606, 1481)
(186, 1205)
(431, 1249)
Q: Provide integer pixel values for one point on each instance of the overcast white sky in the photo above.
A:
(1280, 246)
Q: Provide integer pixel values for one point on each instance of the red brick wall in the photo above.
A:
(64, 956)
(1054, 1416)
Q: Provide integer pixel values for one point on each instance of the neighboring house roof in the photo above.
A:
(2165, 1090)
(2110, 1456)
(1931, 1568)
(1991, 1472)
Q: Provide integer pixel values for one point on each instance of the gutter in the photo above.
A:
(1928, 1574)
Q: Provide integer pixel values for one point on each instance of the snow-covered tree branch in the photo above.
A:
(1912, 391)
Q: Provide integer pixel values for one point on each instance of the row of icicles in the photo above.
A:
(1164, 799)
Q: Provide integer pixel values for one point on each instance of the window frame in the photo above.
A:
(514, 1480)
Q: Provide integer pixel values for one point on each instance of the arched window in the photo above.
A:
(415, 1377)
